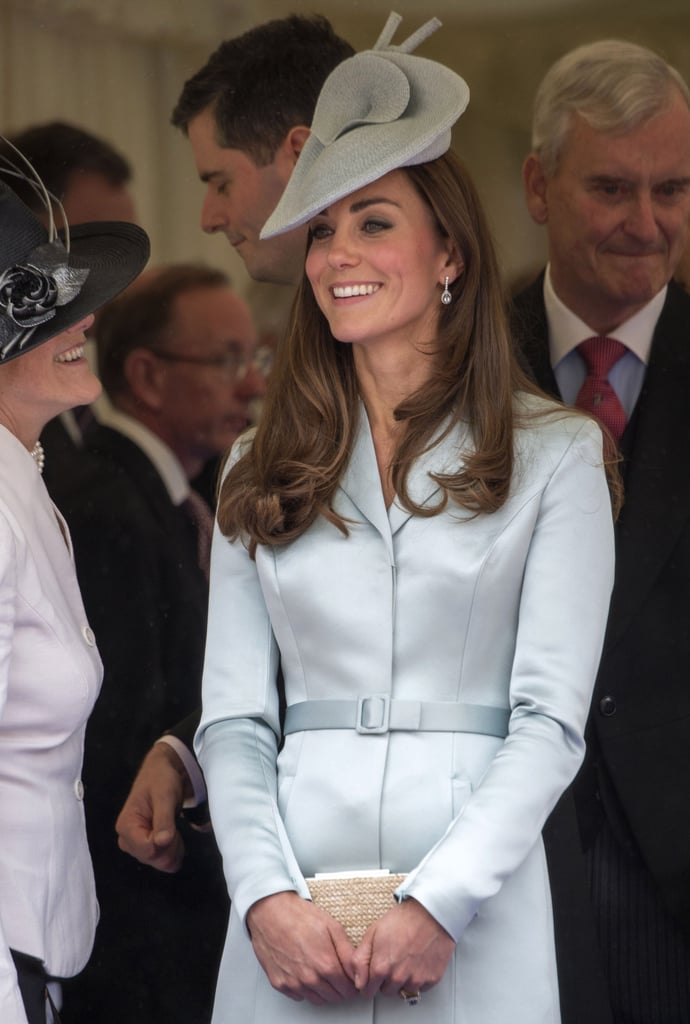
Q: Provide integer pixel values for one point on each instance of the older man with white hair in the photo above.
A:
(606, 328)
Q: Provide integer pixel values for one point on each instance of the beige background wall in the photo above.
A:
(116, 67)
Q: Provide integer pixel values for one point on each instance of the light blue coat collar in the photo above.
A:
(362, 484)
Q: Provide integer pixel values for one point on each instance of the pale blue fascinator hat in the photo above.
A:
(382, 109)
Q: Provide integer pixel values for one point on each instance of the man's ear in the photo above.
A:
(145, 374)
(285, 156)
(534, 182)
(294, 141)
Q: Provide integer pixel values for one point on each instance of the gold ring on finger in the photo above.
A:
(410, 998)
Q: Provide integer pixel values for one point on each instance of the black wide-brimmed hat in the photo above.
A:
(50, 280)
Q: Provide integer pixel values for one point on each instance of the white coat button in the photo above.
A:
(89, 636)
(79, 789)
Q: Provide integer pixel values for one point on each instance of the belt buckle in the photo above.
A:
(373, 714)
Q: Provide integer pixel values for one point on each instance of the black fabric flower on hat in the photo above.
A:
(27, 295)
(30, 291)
(50, 280)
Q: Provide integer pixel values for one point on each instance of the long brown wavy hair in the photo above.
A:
(288, 475)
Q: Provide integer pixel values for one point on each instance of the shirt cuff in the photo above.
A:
(192, 768)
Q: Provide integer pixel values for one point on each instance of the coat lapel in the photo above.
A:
(657, 479)
(445, 456)
(362, 484)
(528, 321)
(111, 447)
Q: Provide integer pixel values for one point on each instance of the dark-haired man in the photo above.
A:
(247, 113)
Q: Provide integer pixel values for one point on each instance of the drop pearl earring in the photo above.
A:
(446, 297)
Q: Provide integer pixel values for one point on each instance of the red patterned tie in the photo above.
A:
(596, 394)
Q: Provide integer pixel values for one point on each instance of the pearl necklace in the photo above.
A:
(39, 456)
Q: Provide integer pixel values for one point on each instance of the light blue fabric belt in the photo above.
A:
(377, 713)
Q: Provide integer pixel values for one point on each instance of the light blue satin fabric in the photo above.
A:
(507, 609)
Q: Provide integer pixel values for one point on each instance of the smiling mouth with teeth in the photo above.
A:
(348, 291)
(71, 355)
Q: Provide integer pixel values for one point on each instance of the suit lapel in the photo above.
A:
(129, 460)
(657, 479)
(528, 321)
(106, 443)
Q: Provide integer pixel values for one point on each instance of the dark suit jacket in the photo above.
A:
(160, 936)
(60, 450)
(639, 741)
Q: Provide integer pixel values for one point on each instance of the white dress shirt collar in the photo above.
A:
(566, 330)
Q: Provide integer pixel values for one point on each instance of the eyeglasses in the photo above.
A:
(235, 362)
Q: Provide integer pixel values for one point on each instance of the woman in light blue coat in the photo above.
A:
(415, 556)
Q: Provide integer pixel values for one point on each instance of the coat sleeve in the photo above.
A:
(11, 1004)
(564, 602)
(237, 740)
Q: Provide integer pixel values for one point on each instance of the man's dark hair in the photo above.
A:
(263, 83)
(142, 314)
(58, 150)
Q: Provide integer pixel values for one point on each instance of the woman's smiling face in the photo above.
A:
(377, 263)
(49, 379)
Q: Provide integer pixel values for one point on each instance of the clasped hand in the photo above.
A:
(147, 823)
(306, 954)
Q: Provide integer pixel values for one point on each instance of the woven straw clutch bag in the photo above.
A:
(356, 901)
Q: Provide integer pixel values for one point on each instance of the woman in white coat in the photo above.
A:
(415, 555)
(50, 671)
